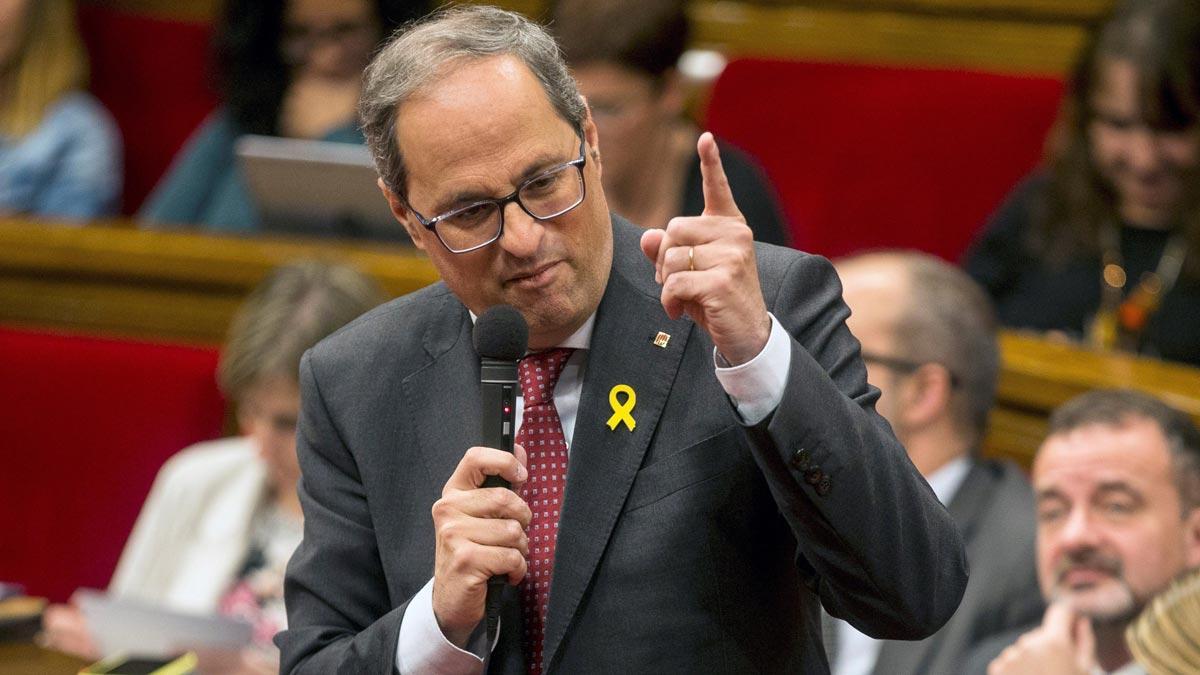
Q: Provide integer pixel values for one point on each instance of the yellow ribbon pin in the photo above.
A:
(621, 410)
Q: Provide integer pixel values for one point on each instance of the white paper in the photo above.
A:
(119, 625)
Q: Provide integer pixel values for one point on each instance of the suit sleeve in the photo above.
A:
(877, 546)
(339, 613)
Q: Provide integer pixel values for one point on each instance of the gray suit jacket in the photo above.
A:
(994, 511)
(691, 544)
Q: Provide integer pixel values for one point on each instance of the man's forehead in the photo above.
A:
(1096, 455)
(480, 116)
(876, 293)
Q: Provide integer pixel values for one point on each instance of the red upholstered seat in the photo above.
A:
(873, 156)
(153, 75)
(87, 424)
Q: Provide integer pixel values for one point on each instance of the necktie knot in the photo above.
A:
(539, 373)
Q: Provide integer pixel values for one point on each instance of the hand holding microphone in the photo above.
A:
(479, 523)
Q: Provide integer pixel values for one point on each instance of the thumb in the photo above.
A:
(718, 199)
(651, 241)
(523, 458)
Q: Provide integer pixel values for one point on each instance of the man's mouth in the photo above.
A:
(535, 277)
(1077, 578)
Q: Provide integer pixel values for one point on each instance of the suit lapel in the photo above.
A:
(913, 657)
(449, 387)
(603, 461)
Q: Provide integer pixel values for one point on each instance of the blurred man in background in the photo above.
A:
(1118, 485)
(928, 338)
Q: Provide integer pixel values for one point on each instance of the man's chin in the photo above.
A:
(1109, 603)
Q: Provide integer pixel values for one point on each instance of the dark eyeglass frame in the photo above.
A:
(905, 366)
(431, 223)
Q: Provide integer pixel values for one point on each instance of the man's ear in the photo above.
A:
(591, 136)
(402, 214)
(927, 394)
(1191, 533)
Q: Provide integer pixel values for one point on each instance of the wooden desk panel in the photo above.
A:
(1039, 375)
(183, 286)
(1039, 36)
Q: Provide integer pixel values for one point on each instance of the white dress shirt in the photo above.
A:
(756, 387)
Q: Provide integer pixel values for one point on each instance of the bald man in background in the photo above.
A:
(928, 337)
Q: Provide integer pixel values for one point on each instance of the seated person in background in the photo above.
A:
(60, 152)
(1117, 482)
(623, 54)
(928, 338)
(285, 68)
(1106, 245)
(223, 517)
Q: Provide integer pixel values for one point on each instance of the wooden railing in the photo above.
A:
(182, 286)
(1040, 374)
(1038, 36)
(179, 286)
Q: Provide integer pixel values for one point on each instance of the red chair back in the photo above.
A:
(154, 76)
(873, 156)
(87, 424)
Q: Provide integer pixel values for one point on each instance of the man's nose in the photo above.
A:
(522, 232)
(1144, 153)
(1080, 531)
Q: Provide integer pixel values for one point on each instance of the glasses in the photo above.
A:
(547, 195)
(903, 365)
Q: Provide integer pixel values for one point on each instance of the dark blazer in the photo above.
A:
(994, 511)
(691, 544)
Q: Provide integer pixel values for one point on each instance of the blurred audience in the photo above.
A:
(223, 517)
(1117, 482)
(1105, 246)
(60, 152)
(285, 68)
(928, 338)
(624, 55)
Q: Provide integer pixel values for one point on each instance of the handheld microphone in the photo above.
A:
(501, 337)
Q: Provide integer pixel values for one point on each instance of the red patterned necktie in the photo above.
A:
(542, 437)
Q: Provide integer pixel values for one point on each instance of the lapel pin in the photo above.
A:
(621, 409)
(661, 340)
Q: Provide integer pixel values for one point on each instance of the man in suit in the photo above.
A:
(1117, 482)
(928, 337)
(726, 473)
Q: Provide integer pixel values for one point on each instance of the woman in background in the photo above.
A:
(223, 517)
(287, 68)
(623, 54)
(60, 152)
(1105, 246)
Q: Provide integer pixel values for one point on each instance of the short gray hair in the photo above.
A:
(294, 308)
(950, 320)
(420, 51)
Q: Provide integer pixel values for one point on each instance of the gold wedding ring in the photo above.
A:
(691, 258)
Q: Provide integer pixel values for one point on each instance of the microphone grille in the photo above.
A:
(501, 333)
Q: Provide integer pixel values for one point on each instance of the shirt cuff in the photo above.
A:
(422, 648)
(756, 386)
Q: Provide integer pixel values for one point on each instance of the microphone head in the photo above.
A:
(501, 333)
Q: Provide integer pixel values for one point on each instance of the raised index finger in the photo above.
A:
(718, 199)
